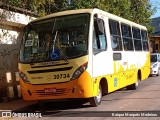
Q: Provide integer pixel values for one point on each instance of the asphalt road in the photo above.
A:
(124, 103)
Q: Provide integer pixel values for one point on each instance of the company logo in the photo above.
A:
(6, 114)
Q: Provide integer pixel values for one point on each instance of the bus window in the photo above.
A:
(144, 40)
(95, 46)
(32, 42)
(137, 39)
(127, 37)
(99, 37)
(56, 38)
(115, 35)
(48, 39)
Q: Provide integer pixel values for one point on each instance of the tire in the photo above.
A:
(158, 74)
(96, 101)
(133, 86)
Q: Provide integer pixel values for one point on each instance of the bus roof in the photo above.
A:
(67, 12)
(91, 11)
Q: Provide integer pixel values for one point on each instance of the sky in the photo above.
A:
(156, 3)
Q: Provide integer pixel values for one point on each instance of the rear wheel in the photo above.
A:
(133, 86)
(96, 101)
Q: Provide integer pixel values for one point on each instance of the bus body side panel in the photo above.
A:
(146, 67)
(123, 72)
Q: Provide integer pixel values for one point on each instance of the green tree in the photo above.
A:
(141, 11)
(138, 11)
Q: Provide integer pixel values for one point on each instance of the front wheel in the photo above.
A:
(96, 101)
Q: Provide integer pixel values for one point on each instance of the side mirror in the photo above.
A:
(99, 25)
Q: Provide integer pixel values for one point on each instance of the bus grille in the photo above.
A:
(58, 92)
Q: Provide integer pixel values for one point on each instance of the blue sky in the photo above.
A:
(156, 3)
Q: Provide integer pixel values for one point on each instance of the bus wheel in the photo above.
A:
(96, 101)
(133, 86)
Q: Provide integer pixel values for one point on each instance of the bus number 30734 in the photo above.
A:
(60, 76)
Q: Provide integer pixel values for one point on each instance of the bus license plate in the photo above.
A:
(50, 90)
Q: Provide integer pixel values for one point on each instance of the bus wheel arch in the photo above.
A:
(135, 85)
(104, 86)
(103, 89)
(96, 100)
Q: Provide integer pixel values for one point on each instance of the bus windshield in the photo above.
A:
(55, 38)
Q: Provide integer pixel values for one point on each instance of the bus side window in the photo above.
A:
(116, 41)
(99, 36)
(137, 39)
(127, 37)
(144, 40)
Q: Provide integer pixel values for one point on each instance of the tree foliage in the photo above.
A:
(138, 11)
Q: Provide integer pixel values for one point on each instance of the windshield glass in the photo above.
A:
(153, 58)
(56, 38)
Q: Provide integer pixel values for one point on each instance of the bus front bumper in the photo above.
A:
(79, 88)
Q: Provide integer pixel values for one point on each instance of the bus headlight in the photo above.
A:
(23, 76)
(79, 71)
